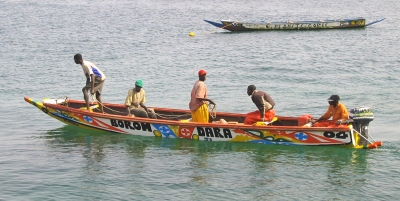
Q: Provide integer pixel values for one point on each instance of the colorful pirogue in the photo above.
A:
(263, 25)
(174, 123)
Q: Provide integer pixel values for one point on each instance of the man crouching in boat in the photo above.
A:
(265, 106)
(135, 100)
(94, 80)
(336, 110)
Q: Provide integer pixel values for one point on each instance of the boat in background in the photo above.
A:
(229, 127)
(263, 25)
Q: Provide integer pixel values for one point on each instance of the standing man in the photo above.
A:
(94, 80)
(336, 110)
(198, 98)
(265, 106)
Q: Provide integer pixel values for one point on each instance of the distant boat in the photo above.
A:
(263, 25)
(228, 127)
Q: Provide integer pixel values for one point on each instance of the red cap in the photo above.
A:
(202, 72)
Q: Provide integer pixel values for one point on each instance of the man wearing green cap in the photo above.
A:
(135, 100)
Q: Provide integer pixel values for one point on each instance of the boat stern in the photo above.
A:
(360, 118)
(358, 144)
(219, 25)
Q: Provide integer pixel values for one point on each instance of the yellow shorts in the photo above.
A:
(201, 114)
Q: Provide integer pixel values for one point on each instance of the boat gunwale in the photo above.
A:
(176, 122)
(292, 22)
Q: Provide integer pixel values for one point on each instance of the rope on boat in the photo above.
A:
(371, 137)
(359, 134)
(211, 107)
(66, 99)
(171, 116)
(98, 102)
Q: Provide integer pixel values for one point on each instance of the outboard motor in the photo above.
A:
(361, 117)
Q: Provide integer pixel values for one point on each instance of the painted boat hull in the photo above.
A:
(292, 25)
(285, 132)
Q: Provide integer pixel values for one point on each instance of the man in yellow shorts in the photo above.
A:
(197, 105)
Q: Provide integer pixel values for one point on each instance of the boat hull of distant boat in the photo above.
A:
(232, 25)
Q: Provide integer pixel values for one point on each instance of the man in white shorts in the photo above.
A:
(94, 80)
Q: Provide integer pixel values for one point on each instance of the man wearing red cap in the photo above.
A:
(197, 105)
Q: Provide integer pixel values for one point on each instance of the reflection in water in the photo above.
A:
(319, 167)
(345, 164)
(198, 164)
(68, 139)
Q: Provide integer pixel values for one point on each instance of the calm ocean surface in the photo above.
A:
(43, 159)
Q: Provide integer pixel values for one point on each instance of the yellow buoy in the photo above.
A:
(191, 34)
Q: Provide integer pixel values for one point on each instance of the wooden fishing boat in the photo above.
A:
(263, 25)
(175, 123)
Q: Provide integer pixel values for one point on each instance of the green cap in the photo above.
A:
(139, 83)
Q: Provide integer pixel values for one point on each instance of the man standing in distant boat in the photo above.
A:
(198, 98)
(135, 100)
(336, 110)
(94, 80)
(265, 106)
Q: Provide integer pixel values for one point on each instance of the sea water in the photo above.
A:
(44, 159)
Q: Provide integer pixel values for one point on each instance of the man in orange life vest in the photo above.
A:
(265, 106)
(336, 110)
